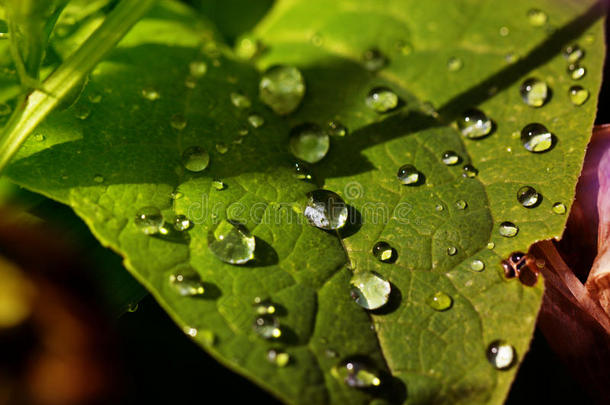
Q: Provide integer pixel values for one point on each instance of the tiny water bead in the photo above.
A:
(98, 178)
(477, 265)
(534, 92)
(149, 220)
(82, 111)
(256, 120)
(231, 242)
(195, 159)
(576, 71)
(282, 88)
(218, 184)
(508, 229)
(536, 138)
(454, 64)
(278, 357)
(461, 204)
(39, 137)
(198, 68)
(178, 121)
(536, 17)
(263, 306)
(240, 101)
(559, 208)
(370, 290)
(469, 171)
(504, 31)
(573, 53)
(222, 148)
(440, 301)
(578, 95)
(450, 158)
(491, 245)
(190, 82)
(374, 60)
(335, 128)
(381, 99)
(302, 171)
(150, 94)
(408, 175)
(325, 210)
(474, 124)
(267, 326)
(528, 196)
(384, 252)
(439, 207)
(451, 250)
(187, 283)
(182, 223)
(356, 373)
(501, 355)
(248, 48)
(309, 143)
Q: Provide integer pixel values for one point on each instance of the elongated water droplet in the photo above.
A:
(282, 88)
(559, 208)
(536, 17)
(469, 171)
(302, 171)
(309, 143)
(384, 252)
(440, 301)
(182, 223)
(357, 373)
(477, 265)
(461, 204)
(198, 68)
(501, 355)
(382, 99)
(256, 120)
(450, 158)
(267, 326)
(231, 242)
(408, 175)
(263, 306)
(278, 357)
(195, 159)
(335, 128)
(374, 60)
(240, 101)
(474, 124)
(534, 92)
(370, 290)
(325, 210)
(451, 250)
(150, 94)
(536, 138)
(573, 53)
(528, 196)
(576, 71)
(578, 95)
(149, 220)
(454, 64)
(178, 121)
(508, 229)
(187, 283)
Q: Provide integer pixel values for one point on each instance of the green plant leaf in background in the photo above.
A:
(119, 148)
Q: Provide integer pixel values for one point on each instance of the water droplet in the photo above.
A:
(374, 60)
(335, 128)
(282, 88)
(504, 31)
(190, 82)
(439, 207)
(384, 252)
(243, 131)
(198, 68)
(95, 97)
(477, 265)
(182, 223)
(469, 171)
(440, 301)
(474, 124)
(451, 250)
(576, 71)
(195, 159)
(382, 99)
(325, 210)
(491, 245)
(218, 184)
(222, 148)
(536, 138)
(231, 242)
(278, 357)
(248, 47)
(508, 229)
(5, 109)
(528, 196)
(39, 137)
(450, 158)
(559, 208)
(536, 17)
(573, 53)
(534, 92)
(461, 204)
(578, 95)
(302, 171)
(149, 220)
(501, 355)
(178, 121)
(267, 326)
(176, 195)
(308, 142)
(240, 101)
(330, 353)
(356, 373)
(454, 64)
(192, 332)
(263, 306)
(510, 57)
(256, 120)
(187, 283)
(150, 94)
(82, 111)
(98, 178)
(370, 290)
(408, 175)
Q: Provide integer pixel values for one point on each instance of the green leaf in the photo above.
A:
(116, 151)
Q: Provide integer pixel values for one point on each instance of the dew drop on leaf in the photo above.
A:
(267, 326)
(218, 184)
(384, 252)
(82, 111)
(559, 208)
(231, 242)
(256, 120)
(381, 99)
(534, 92)
(178, 121)
(302, 171)
(308, 142)
(98, 178)
(508, 229)
(278, 357)
(454, 64)
(192, 332)
(491, 245)
(461, 204)
(325, 210)
(501, 355)
(263, 306)
(150, 94)
(528, 196)
(190, 82)
(187, 283)
(477, 265)
(451, 250)
(39, 137)
(248, 48)
(450, 158)
(149, 220)
(370, 290)
(374, 60)
(576, 71)
(356, 373)
(469, 171)
(240, 100)
(578, 95)
(182, 223)
(198, 68)
(439, 207)
(408, 175)
(536, 17)
(335, 128)
(282, 88)
(195, 159)
(222, 148)
(440, 301)
(536, 138)
(474, 124)
(573, 53)
(404, 47)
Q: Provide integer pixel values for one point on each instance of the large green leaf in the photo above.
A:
(115, 151)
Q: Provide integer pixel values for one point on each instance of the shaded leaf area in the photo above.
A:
(116, 151)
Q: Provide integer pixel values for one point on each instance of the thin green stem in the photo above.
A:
(39, 103)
